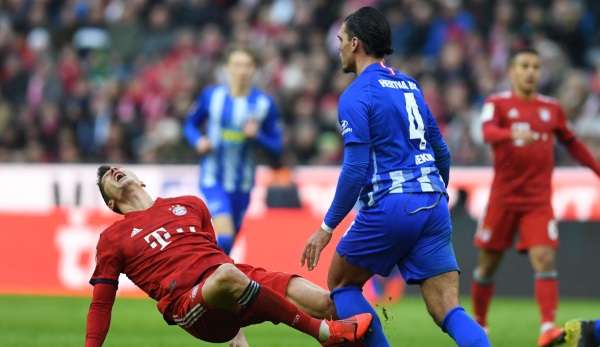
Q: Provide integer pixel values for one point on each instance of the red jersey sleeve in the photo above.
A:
(98, 319)
(562, 131)
(108, 263)
(490, 119)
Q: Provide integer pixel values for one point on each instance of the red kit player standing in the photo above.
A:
(167, 247)
(521, 125)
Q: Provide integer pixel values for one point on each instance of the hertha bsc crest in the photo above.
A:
(178, 210)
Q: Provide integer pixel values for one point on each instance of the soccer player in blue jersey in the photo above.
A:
(225, 126)
(397, 165)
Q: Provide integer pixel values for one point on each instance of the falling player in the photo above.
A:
(225, 126)
(397, 164)
(521, 125)
(167, 248)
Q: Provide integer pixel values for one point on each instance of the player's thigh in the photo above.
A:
(488, 262)
(542, 258)
(496, 230)
(310, 298)
(378, 238)
(538, 228)
(192, 314)
(432, 253)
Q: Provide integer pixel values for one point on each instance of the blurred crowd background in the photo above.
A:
(112, 80)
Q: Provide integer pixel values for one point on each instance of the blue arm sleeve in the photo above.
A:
(270, 134)
(440, 149)
(352, 179)
(196, 115)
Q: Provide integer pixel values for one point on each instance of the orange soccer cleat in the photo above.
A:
(348, 330)
(551, 337)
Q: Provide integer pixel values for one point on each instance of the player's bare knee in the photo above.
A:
(229, 278)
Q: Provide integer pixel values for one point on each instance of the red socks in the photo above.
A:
(481, 295)
(546, 294)
(260, 303)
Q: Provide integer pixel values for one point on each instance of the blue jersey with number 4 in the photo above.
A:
(386, 109)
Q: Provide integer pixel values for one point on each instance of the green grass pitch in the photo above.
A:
(27, 321)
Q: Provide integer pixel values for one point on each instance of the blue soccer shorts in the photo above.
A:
(410, 230)
(221, 202)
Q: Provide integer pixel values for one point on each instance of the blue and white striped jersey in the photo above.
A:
(386, 109)
(221, 117)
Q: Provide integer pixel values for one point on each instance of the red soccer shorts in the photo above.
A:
(191, 312)
(536, 227)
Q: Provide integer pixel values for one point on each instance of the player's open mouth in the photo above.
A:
(119, 176)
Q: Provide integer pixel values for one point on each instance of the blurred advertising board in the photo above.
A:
(51, 216)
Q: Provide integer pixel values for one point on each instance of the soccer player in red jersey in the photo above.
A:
(520, 125)
(167, 247)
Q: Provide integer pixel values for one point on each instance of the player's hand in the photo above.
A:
(524, 136)
(251, 128)
(239, 340)
(313, 248)
(203, 146)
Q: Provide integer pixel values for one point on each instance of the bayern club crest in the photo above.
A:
(178, 210)
(544, 114)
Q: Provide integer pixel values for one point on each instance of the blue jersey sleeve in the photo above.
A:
(270, 134)
(352, 179)
(195, 117)
(354, 117)
(439, 146)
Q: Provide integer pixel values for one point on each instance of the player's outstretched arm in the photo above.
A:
(583, 155)
(98, 319)
(575, 147)
(352, 179)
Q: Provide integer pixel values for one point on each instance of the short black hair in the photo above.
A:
(100, 173)
(372, 28)
(521, 50)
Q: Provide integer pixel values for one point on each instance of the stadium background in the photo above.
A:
(84, 82)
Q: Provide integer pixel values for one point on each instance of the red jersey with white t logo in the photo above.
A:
(523, 172)
(164, 249)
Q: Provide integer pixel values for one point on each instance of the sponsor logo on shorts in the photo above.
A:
(552, 230)
(484, 234)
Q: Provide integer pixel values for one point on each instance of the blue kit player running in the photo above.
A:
(224, 126)
(397, 165)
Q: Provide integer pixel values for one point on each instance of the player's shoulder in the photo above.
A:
(261, 96)
(109, 237)
(191, 201)
(499, 97)
(547, 101)
(210, 89)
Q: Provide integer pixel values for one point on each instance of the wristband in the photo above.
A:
(326, 228)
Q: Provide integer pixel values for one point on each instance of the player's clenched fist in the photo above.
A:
(203, 146)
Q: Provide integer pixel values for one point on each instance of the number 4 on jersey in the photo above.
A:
(415, 121)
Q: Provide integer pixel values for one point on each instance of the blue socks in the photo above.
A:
(597, 330)
(350, 301)
(225, 242)
(463, 329)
